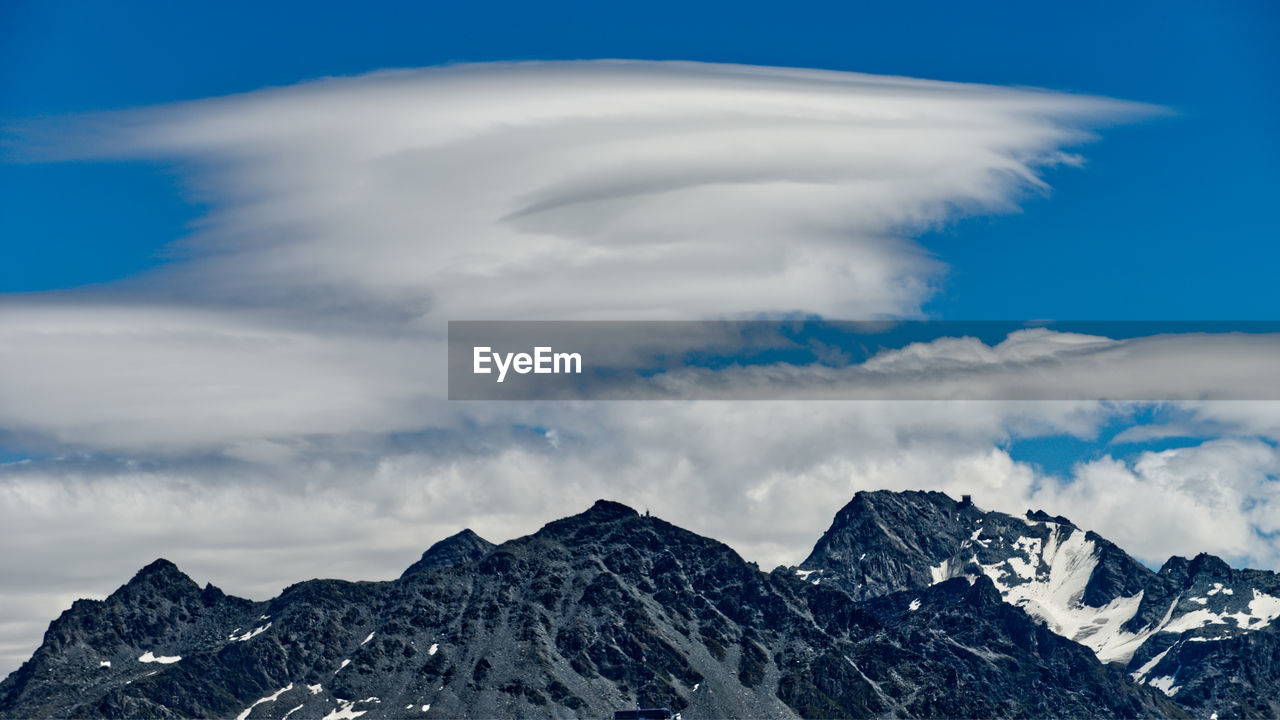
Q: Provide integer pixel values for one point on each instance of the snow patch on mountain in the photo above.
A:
(1263, 609)
(269, 698)
(1048, 579)
(1165, 684)
(249, 635)
(1149, 665)
(940, 572)
(1056, 596)
(345, 711)
(804, 574)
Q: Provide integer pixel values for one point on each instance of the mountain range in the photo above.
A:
(911, 604)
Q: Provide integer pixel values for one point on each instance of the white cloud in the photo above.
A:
(608, 190)
(1150, 433)
(965, 353)
(1215, 497)
(153, 378)
(350, 218)
(1033, 364)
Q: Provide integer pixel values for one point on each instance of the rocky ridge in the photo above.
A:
(1205, 634)
(599, 611)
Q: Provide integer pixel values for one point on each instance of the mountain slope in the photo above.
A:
(600, 611)
(1198, 630)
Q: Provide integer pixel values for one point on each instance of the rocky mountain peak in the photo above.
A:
(160, 578)
(457, 549)
(607, 511)
(161, 570)
(1172, 630)
(1176, 565)
(601, 519)
(1209, 566)
(1042, 516)
(884, 541)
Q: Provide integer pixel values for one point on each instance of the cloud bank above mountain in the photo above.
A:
(594, 189)
(349, 218)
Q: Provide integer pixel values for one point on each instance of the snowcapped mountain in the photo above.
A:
(1201, 632)
(603, 610)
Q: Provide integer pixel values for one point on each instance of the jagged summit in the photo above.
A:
(161, 578)
(602, 518)
(159, 565)
(1203, 565)
(884, 541)
(1162, 626)
(466, 546)
(1042, 516)
(606, 511)
(457, 549)
(1206, 564)
(161, 570)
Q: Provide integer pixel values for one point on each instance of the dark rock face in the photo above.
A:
(1203, 633)
(94, 647)
(884, 542)
(459, 549)
(1035, 661)
(1224, 652)
(600, 611)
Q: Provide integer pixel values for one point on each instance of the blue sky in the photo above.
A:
(1170, 219)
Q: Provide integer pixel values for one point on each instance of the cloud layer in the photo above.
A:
(615, 190)
(350, 218)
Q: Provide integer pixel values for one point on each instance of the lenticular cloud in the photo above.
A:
(597, 189)
(350, 218)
